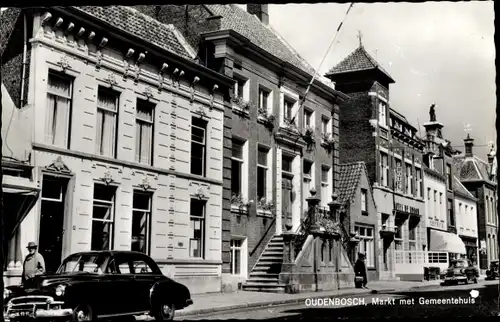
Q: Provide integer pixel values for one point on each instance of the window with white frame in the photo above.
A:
(419, 183)
(409, 179)
(264, 100)
(107, 121)
(384, 169)
(308, 180)
(262, 173)
(366, 244)
(240, 86)
(325, 184)
(364, 202)
(58, 113)
(103, 213)
(237, 160)
(197, 228)
(325, 125)
(398, 236)
(412, 234)
(288, 109)
(382, 107)
(141, 222)
(308, 119)
(198, 146)
(236, 256)
(144, 132)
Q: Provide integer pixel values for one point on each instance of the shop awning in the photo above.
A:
(18, 200)
(442, 241)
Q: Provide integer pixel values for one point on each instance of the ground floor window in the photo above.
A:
(103, 217)
(141, 222)
(197, 229)
(366, 244)
(236, 258)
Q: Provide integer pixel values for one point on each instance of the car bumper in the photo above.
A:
(44, 307)
(455, 278)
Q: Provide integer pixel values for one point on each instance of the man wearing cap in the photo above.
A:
(34, 263)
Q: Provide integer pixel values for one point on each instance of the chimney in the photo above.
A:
(260, 10)
(469, 143)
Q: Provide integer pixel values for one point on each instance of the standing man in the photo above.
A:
(34, 263)
(360, 279)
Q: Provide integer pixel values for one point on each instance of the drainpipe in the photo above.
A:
(23, 75)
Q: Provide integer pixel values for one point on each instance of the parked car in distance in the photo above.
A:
(492, 273)
(461, 270)
(98, 285)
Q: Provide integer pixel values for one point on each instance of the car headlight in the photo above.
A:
(6, 293)
(60, 290)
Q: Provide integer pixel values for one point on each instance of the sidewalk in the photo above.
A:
(217, 302)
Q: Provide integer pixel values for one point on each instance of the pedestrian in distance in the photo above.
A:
(360, 279)
(34, 264)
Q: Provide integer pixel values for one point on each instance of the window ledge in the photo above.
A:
(238, 110)
(241, 209)
(264, 213)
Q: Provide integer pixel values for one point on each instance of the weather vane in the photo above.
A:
(360, 38)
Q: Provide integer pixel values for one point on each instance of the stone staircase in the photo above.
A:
(264, 276)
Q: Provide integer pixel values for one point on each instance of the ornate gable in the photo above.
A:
(58, 166)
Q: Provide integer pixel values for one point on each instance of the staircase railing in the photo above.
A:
(302, 232)
(346, 242)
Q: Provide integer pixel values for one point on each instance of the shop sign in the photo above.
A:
(435, 223)
(407, 209)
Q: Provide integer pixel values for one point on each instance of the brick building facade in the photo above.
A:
(269, 164)
(373, 132)
(127, 141)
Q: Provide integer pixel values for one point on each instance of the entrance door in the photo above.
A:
(287, 199)
(52, 221)
(386, 246)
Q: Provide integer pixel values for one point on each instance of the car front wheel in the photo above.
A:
(82, 312)
(165, 312)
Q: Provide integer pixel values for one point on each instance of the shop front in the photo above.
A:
(471, 248)
(20, 194)
(442, 241)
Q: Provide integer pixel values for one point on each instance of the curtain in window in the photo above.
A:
(143, 142)
(58, 105)
(106, 123)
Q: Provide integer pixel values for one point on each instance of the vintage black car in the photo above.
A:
(492, 273)
(461, 270)
(98, 285)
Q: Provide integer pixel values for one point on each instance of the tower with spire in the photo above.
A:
(371, 131)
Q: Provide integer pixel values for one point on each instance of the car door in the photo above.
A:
(123, 285)
(146, 275)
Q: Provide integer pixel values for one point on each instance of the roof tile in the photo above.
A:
(350, 175)
(263, 36)
(469, 168)
(459, 187)
(358, 60)
(142, 26)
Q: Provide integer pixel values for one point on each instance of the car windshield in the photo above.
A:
(458, 264)
(90, 263)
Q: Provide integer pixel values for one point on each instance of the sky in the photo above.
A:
(437, 52)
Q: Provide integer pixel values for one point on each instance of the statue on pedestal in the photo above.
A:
(432, 113)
